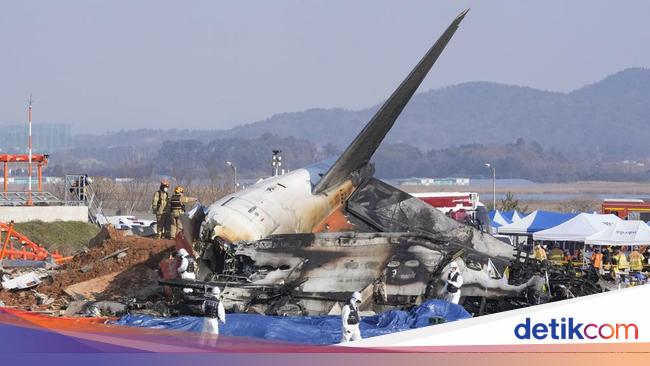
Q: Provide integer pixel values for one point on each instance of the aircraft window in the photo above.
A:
(250, 210)
(328, 266)
(430, 263)
(372, 265)
(351, 265)
(408, 275)
(282, 185)
(412, 263)
(228, 201)
(284, 267)
(392, 264)
(473, 265)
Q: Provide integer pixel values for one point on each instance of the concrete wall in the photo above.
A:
(43, 213)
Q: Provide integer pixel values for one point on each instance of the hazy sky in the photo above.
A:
(209, 64)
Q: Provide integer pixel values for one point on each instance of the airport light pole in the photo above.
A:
(494, 185)
(29, 147)
(277, 162)
(234, 175)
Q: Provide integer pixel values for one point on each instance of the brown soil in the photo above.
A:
(135, 271)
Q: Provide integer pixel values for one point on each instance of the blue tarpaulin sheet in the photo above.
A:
(308, 329)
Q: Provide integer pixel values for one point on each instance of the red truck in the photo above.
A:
(630, 209)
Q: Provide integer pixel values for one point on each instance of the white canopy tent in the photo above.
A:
(633, 232)
(578, 228)
(516, 216)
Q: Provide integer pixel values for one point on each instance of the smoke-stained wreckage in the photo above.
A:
(302, 242)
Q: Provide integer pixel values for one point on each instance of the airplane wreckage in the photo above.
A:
(302, 242)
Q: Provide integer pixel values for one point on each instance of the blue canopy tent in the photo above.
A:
(497, 220)
(536, 221)
(512, 215)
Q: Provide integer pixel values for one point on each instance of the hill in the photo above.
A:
(606, 118)
(599, 131)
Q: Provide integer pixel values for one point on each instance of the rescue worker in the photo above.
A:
(613, 268)
(587, 253)
(454, 283)
(350, 319)
(539, 252)
(160, 209)
(636, 260)
(379, 290)
(176, 209)
(213, 312)
(597, 261)
(556, 256)
(187, 268)
(623, 264)
(83, 184)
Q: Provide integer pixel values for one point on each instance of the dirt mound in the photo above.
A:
(128, 274)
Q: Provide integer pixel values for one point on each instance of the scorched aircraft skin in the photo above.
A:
(307, 239)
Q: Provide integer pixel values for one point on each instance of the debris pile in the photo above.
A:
(120, 267)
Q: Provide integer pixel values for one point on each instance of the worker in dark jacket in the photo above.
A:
(159, 208)
(176, 209)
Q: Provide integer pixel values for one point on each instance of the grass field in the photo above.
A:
(65, 236)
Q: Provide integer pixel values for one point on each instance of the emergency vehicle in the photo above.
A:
(627, 209)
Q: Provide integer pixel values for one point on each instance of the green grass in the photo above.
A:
(66, 236)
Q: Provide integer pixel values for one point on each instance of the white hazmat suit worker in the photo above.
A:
(187, 268)
(213, 313)
(454, 282)
(350, 319)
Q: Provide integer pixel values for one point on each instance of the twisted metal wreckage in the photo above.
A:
(300, 243)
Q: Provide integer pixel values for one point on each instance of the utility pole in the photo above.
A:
(29, 145)
(494, 185)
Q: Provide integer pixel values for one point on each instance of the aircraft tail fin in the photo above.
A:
(359, 152)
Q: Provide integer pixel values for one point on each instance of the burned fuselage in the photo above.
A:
(320, 270)
(309, 238)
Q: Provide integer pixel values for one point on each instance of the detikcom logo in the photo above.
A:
(568, 328)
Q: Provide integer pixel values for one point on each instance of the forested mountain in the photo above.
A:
(452, 131)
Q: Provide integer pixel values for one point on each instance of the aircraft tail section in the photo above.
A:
(359, 152)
